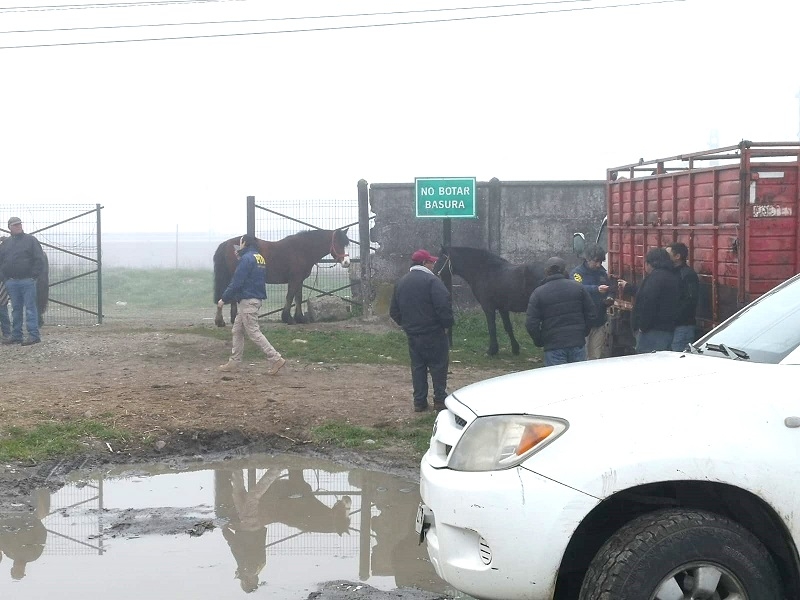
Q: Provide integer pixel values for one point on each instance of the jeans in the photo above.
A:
(429, 352)
(652, 341)
(562, 356)
(22, 293)
(5, 322)
(684, 334)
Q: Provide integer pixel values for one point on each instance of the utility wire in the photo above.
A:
(342, 27)
(96, 6)
(271, 19)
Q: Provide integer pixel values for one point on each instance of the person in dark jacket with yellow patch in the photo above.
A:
(592, 275)
(560, 314)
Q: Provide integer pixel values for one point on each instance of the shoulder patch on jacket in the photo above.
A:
(577, 277)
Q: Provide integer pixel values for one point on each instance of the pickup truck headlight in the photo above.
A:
(503, 441)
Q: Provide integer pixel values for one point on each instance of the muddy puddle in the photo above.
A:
(273, 526)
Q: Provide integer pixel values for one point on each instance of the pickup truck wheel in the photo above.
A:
(681, 554)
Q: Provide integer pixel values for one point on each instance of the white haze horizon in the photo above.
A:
(299, 101)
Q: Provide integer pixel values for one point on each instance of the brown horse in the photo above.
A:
(289, 260)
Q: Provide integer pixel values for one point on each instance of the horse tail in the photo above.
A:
(43, 288)
(222, 274)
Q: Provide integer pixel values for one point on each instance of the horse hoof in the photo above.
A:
(492, 351)
(515, 351)
(219, 322)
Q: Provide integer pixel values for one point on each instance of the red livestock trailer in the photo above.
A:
(736, 208)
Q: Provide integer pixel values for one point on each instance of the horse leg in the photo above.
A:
(490, 322)
(219, 320)
(299, 317)
(509, 331)
(234, 310)
(286, 315)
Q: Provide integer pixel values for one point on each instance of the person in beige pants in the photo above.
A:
(248, 288)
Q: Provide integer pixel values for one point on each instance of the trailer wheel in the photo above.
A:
(679, 554)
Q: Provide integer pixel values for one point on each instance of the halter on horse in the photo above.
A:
(289, 260)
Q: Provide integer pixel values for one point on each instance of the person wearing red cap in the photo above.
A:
(421, 306)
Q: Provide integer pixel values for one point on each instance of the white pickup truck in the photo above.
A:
(661, 476)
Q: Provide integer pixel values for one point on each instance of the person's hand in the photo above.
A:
(220, 303)
(603, 289)
(621, 283)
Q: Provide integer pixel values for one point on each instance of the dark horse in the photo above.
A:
(289, 260)
(497, 284)
(42, 286)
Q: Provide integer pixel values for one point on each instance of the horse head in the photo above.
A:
(339, 243)
(443, 262)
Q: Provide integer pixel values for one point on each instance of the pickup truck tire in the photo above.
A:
(681, 553)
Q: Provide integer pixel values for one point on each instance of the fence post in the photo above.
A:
(366, 259)
(251, 215)
(99, 267)
(494, 214)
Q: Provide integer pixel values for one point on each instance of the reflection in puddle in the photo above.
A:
(274, 525)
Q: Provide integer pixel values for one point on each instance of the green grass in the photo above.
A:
(470, 341)
(157, 288)
(51, 440)
(415, 435)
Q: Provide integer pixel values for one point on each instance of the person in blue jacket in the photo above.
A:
(248, 288)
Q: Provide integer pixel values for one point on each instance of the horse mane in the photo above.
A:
(476, 255)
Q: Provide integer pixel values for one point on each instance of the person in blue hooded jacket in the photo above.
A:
(592, 275)
(248, 288)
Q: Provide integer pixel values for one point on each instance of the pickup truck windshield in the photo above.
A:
(767, 331)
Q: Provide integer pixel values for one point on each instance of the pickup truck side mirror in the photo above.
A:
(578, 243)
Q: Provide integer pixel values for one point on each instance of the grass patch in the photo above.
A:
(154, 289)
(51, 440)
(470, 341)
(416, 435)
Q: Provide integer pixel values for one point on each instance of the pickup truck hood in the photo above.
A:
(563, 388)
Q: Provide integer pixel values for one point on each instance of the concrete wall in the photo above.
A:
(522, 221)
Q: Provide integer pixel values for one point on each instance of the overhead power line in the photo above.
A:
(302, 18)
(58, 7)
(346, 27)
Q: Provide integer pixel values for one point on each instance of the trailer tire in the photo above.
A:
(693, 548)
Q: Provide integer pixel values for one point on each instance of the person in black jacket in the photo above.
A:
(656, 305)
(421, 306)
(685, 322)
(21, 262)
(560, 314)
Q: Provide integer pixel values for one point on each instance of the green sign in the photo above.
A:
(445, 197)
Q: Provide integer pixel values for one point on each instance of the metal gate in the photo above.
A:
(283, 218)
(70, 237)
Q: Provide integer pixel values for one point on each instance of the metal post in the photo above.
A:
(99, 268)
(366, 258)
(446, 276)
(251, 215)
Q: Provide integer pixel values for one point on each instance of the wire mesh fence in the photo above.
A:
(70, 237)
(274, 220)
